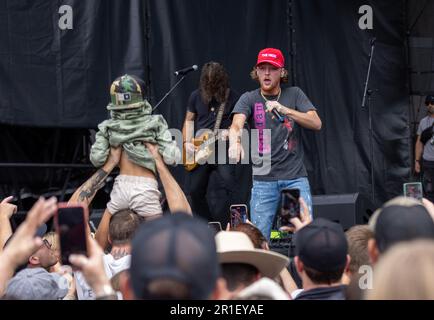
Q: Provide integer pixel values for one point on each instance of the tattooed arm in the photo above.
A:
(87, 190)
(176, 198)
(119, 252)
(101, 235)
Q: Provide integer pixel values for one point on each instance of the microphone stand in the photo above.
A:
(366, 105)
(168, 93)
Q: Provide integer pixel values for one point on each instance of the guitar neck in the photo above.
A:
(211, 141)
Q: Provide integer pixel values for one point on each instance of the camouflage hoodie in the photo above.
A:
(130, 128)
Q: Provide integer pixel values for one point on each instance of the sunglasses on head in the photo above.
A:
(46, 243)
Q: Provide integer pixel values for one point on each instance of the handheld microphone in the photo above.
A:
(275, 112)
(185, 71)
(278, 115)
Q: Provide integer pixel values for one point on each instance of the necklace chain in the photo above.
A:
(278, 96)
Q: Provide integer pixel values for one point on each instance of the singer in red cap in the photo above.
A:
(278, 114)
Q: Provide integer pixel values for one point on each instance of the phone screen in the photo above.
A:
(290, 206)
(238, 214)
(413, 190)
(71, 231)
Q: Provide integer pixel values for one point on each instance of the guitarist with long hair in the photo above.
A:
(208, 114)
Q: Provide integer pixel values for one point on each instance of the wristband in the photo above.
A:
(112, 296)
(107, 293)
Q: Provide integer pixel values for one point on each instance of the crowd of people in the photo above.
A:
(140, 251)
(178, 256)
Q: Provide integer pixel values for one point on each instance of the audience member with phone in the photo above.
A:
(238, 214)
(71, 224)
(413, 190)
(294, 213)
(290, 207)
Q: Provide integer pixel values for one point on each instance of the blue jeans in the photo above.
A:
(266, 198)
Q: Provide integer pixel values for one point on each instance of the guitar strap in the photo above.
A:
(220, 113)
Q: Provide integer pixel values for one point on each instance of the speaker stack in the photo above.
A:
(345, 209)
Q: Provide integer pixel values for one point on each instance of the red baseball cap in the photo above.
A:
(271, 56)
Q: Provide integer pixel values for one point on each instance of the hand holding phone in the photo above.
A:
(238, 214)
(413, 190)
(290, 207)
(70, 222)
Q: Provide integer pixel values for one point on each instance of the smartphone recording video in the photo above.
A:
(290, 207)
(71, 228)
(238, 214)
(413, 190)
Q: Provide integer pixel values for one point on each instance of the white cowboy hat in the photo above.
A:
(263, 287)
(236, 247)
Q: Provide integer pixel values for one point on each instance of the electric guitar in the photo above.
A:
(205, 141)
(204, 150)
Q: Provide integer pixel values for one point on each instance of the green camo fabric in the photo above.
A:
(129, 129)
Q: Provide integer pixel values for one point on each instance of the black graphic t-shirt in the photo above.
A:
(283, 146)
(206, 114)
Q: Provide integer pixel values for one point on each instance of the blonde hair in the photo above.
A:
(405, 272)
(53, 239)
(358, 237)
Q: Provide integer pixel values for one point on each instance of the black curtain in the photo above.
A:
(60, 78)
(184, 33)
(332, 55)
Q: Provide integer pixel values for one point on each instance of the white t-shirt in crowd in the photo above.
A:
(295, 293)
(112, 266)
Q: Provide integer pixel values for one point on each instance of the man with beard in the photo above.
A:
(209, 109)
(35, 282)
(281, 112)
(424, 149)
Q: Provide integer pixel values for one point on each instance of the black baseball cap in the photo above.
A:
(176, 247)
(322, 245)
(429, 99)
(398, 223)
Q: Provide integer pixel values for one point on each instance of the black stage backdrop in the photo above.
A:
(59, 78)
(332, 59)
(52, 78)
